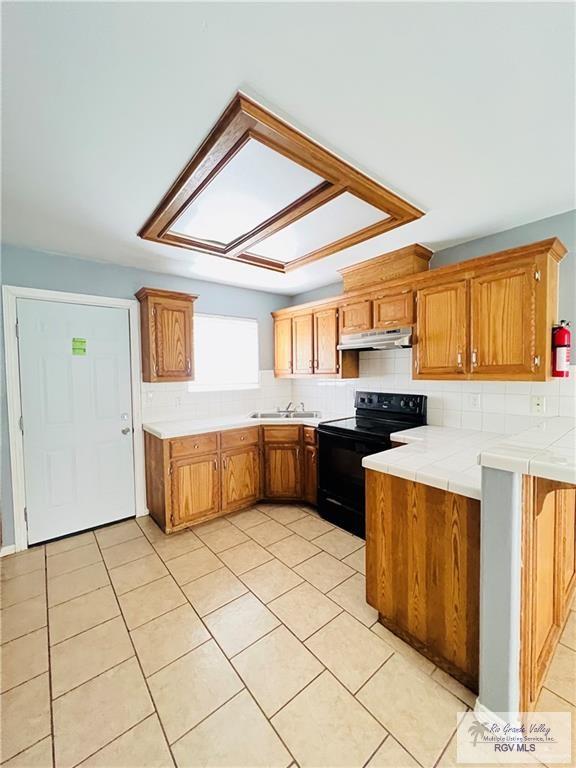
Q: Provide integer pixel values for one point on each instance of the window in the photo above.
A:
(225, 352)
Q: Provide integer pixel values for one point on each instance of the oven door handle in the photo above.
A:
(334, 501)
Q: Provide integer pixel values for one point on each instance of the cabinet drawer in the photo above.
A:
(283, 434)
(193, 445)
(310, 435)
(236, 438)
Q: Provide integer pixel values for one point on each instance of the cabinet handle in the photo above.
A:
(188, 366)
(537, 361)
(474, 358)
(459, 359)
(311, 364)
(223, 463)
(242, 437)
(215, 464)
(196, 445)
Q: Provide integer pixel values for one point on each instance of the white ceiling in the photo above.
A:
(466, 110)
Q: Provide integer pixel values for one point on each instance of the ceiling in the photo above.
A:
(465, 110)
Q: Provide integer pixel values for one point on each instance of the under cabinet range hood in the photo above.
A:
(394, 339)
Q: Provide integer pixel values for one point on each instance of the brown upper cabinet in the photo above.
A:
(485, 318)
(493, 324)
(356, 316)
(326, 341)
(306, 344)
(283, 346)
(441, 323)
(302, 344)
(166, 321)
(503, 322)
(393, 311)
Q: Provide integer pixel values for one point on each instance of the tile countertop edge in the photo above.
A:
(492, 450)
(166, 430)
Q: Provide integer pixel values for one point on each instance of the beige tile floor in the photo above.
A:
(244, 642)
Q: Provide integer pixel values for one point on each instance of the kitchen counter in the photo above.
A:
(179, 428)
(452, 459)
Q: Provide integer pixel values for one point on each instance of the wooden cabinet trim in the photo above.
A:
(237, 438)
(544, 518)
(193, 445)
(281, 433)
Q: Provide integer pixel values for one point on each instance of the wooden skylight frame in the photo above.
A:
(245, 120)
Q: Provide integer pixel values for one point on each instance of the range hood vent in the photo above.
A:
(398, 338)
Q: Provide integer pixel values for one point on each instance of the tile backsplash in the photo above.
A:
(179, 401)
(492, 406)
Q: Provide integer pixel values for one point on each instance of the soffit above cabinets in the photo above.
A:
(258, 191)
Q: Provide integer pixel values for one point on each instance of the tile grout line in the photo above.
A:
(52, 731)
(142, 673)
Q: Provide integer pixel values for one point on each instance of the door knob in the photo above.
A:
(126, 430)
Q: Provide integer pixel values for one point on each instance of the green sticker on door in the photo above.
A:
(78, 346)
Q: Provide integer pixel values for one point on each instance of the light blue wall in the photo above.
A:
(562, 226)
(35, 269)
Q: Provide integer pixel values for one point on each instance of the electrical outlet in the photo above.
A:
(538, 405)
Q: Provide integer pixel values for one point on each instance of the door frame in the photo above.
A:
(10, 295)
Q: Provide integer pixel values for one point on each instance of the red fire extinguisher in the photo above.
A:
(561, 350)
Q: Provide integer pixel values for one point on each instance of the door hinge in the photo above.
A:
(26, 516)
(170, 469)
(21, 424)
(17, 330)
(537, 275)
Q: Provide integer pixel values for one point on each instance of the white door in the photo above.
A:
(77, 416)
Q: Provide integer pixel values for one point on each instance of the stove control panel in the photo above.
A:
(392, 402)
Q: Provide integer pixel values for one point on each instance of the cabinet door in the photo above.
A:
(172, 339)
(503, 329)
(310, 473)
(240, 477)
(282, 346)
(441, 322)
(302, 353)
(394, 311)
(356, 316)
(195, 489)
(568, 517)
(282, 471)
(326, 341)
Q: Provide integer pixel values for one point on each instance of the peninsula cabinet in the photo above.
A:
(423, 569)
(548, 577)
(166, 322)
(194, 478)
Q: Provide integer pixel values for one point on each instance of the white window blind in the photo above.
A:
(225, 352)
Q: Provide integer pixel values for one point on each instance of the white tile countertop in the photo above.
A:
(182, 427)
(452, 459)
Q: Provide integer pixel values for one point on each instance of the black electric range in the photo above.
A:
(343, 443)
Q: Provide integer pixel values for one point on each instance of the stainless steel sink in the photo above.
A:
(283, 415)
(269, 415)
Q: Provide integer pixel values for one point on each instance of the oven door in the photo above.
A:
(341, 476)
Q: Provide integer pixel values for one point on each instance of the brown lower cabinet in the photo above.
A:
(194, 478)
(548, 577)
(423, 569)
